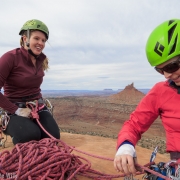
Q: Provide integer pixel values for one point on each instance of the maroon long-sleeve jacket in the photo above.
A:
(19, 77)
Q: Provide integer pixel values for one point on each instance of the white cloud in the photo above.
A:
(99, 76)
(93, 44)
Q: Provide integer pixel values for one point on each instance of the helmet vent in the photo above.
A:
(174, 46)
(170, 22)
(170, 32)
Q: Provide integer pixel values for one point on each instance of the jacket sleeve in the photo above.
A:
(140, 119)
(6, 65)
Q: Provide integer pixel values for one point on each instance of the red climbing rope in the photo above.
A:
(50, 159)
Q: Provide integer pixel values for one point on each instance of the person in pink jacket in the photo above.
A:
(163, 53)
(21, 75)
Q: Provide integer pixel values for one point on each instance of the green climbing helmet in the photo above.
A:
(164, 42)
(35, 24)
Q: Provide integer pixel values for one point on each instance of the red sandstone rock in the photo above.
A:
(130, 95)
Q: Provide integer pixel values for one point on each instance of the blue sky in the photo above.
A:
(93, 44)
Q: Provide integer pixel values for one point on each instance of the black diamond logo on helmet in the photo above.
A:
(159, 48)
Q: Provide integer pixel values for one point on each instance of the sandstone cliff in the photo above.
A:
(130, 95)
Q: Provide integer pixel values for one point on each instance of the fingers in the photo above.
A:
(125, 164)
(117, 163)
(131, 165)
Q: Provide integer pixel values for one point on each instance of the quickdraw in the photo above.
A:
(49, 105)
(4, 120)
(170, 169)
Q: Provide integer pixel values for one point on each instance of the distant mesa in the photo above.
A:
(129, 95)
(108, 90)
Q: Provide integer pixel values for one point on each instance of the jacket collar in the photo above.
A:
(25, 53)
(172, 84)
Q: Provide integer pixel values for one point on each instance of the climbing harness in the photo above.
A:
(4, 117)
(41, 103)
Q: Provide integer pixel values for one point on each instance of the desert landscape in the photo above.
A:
(104, 116)
(91, 124)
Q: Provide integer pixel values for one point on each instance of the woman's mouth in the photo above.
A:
(177, 79)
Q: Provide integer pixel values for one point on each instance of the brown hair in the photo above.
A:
(45, 64)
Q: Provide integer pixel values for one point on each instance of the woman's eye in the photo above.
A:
(38, 39)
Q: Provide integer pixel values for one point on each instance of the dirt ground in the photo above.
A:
(99, 146)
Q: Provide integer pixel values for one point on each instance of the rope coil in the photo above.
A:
(47, 159)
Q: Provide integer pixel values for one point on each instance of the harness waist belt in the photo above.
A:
(175, 155)
(25, 97)
(23, 104)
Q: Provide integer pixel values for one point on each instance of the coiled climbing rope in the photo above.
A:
(46, 159)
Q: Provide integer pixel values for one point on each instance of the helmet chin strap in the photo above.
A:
(28, 45)
(30, 52)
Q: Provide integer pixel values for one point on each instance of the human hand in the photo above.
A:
(25, 112)
(125, 159)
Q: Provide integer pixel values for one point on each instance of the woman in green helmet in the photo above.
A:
(163, 52)
(21, 75)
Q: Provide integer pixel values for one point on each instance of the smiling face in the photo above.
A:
(174, 76)
(37, 42)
